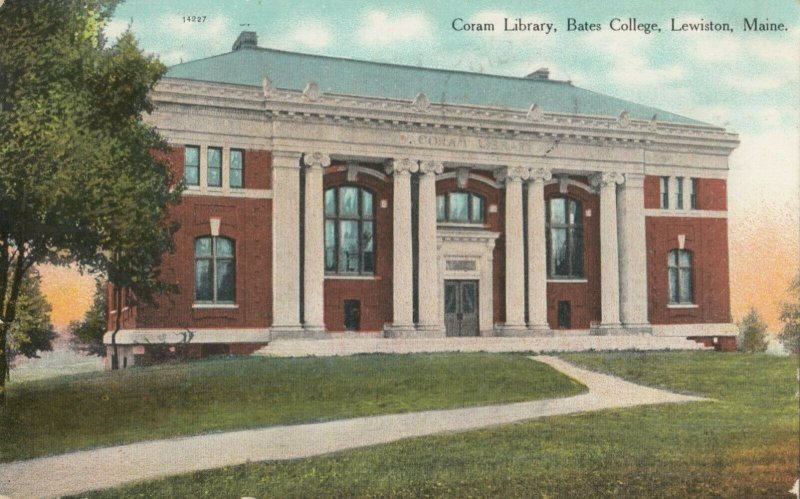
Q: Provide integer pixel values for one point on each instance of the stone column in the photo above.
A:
(606, 183)
(286, 245)
(314, 247)
(402, 252)
(633, 254)
(430, 320)
(515, 252)
(537, 253)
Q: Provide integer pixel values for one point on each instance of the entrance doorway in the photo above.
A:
(461, 308)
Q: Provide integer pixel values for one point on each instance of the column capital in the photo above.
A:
(431, 167)
(316, 159)
(511, 174)
(286, 159)
(402, 166)
(603, 179)
(539, 175)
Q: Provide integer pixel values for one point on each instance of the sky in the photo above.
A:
(747, 82)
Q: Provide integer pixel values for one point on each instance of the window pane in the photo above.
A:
(348, 246)
(574, 212)
(664, 192)
(450, 298)
(577, 251)
(672, 258)
(367, 243)
(686, 259)
(330, 202)
(236, 179)
(459, 209)
(679, 193)
(214, 157)
(477, 208)
(214, 177)
(202, 246)
(202, 280)
(330, 244)
(192, 156)
(367, 205)
(557, 211)
(558, 250)
(440, 209)
(468, 298)
(225, 280)
(224, 247)
(673, 285)
(686, 286)
(236, 159)
(348, 201)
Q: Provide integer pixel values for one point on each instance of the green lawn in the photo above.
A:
(743, 445)
(82, 411)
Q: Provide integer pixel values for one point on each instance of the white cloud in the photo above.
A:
(113, 29)
(381, 29)
(310, 33)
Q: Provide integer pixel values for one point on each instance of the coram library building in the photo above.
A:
(332, 197)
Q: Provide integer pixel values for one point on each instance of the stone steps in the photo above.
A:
(352, 346)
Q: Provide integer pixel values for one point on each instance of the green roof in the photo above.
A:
(292, 71)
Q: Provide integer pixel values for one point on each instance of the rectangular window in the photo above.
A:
(564, 315)
(679, 193)
(214, 167)
(664, 193)
(693, 193)
(191, 165)
(237, 169)
(352, 315)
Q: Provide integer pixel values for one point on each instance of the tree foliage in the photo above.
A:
(81, 179)
(32, 331)
(790, 316)
(87, 334)
(752, 333)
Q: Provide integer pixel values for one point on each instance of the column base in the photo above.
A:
(430, 331)
(608, 330)
(297, 332)
(511, 330)
(399, 331)
(540, 330)
(639, 329)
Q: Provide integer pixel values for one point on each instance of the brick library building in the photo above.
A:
(330, 197)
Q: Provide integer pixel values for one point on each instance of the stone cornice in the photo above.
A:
(310, 105)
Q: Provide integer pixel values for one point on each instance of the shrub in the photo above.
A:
(790, 316)
(752, 333)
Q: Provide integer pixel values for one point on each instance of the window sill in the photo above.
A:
(460, 225)
(215, 305)
(352, 277)
(682, 305)
(568, 281)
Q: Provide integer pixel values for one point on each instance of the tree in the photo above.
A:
(32, 330)
(752, 333)
(790, 316)
(81, 177)
(87, 334)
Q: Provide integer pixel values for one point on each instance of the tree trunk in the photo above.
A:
(117, 327)
(10, 314)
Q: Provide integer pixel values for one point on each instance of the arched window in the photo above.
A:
(565, 238)
(459, 207)
(214, 270)
(679, 265)
(349, 231)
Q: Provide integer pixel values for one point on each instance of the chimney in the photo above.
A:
(539, 74)
(246, 39)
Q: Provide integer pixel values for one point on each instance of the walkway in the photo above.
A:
(108, 467)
